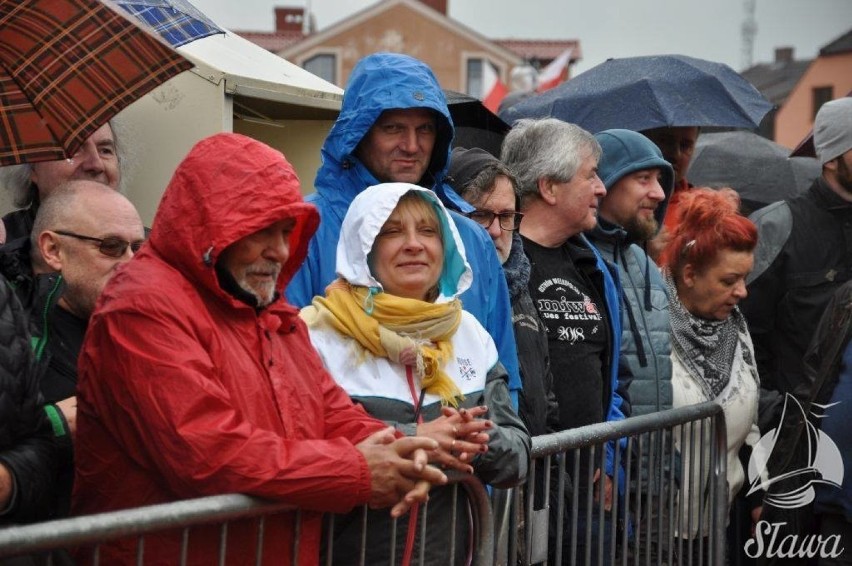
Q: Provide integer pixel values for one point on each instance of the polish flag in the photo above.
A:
(493, 89)
(555, 72)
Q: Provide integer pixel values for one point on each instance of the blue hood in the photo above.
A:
(379, 82)
(624, 152)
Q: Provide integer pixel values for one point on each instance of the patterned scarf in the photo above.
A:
(707, 347)
(517, 268)
(390, 327)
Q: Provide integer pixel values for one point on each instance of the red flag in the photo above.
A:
(493, 89)
(555, 72)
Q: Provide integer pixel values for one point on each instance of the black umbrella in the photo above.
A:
(640, 93)
(475, 125)
(757, 168)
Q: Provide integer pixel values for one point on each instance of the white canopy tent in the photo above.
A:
(235, 86)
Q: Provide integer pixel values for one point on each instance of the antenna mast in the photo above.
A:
(747, 32)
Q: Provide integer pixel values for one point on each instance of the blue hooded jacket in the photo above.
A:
(379, 82)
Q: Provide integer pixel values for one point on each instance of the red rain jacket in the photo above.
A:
(185, 391)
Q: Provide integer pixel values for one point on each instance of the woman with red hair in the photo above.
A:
(706, 263)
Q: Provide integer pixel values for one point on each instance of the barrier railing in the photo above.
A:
(671, 508)
(94, 530)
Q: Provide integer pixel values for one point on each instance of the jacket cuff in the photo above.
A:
(13, 499)
(58, 424)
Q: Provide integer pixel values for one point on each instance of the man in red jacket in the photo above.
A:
(197, 378)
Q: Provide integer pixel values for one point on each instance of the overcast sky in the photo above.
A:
(709, 29)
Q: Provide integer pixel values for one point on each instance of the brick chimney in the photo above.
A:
(439, 5)
(783, 54)
(289, 19)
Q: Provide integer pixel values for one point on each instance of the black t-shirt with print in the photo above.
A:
(575, 316)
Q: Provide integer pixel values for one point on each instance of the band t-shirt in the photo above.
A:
(575, 316)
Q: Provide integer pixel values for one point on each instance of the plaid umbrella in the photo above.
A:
(69, 66)
(177, 21)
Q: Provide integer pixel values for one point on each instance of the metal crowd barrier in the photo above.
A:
(672, 508)
(93, 530)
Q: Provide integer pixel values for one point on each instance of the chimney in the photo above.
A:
(439, 5)
(289, 19)
(783, 54)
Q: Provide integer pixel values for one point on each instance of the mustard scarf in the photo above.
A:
(386, 326)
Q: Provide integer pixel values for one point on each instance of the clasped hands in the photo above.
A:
(400, 470)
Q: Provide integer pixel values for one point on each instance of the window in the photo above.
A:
(474, 77)
(821, 95)
(323, 66)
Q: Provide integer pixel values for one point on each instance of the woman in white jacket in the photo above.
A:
(392, 333)
(706, 262)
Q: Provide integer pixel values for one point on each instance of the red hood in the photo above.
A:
(227, 187)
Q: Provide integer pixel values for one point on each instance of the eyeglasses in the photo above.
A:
(112, 247)
(509, 221)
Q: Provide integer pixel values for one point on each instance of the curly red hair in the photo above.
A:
(708, 221)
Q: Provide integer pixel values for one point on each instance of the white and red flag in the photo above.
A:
(493, 89)
(555, 72)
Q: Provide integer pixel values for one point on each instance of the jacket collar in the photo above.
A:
(826, 197)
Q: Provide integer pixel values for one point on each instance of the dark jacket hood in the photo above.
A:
(227, 187)
(379, 82)
(624, 152)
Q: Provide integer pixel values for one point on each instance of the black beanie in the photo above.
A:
(465, 165)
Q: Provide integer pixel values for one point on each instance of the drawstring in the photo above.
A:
(370, 301)
(207, 258)
(637, 338)
(647, 277)
(634, 329)
(415, 508)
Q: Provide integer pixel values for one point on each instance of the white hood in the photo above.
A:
(368, 213)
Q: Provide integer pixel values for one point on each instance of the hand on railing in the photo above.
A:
(607, 490)
(399, 471)
(460, 435)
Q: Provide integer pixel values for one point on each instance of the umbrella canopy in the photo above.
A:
(67, 67)
(475, 125)
(757, 168)
(640, 93)
(177, 21)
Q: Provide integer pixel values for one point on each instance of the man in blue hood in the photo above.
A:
(638, 182)
(395, 126)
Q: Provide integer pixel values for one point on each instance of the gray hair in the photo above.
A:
(546, 149)
(16, 178)
(483, 183)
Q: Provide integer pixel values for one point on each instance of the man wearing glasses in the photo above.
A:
(83, 231)
(487, 184)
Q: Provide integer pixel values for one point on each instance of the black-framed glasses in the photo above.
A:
(509, 221)
(110, 246)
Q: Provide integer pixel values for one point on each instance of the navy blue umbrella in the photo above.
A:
(176, 21)
(640, 93)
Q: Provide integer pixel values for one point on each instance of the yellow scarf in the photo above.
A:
(394, 325)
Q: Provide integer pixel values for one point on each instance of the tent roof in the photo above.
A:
(250, 71)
